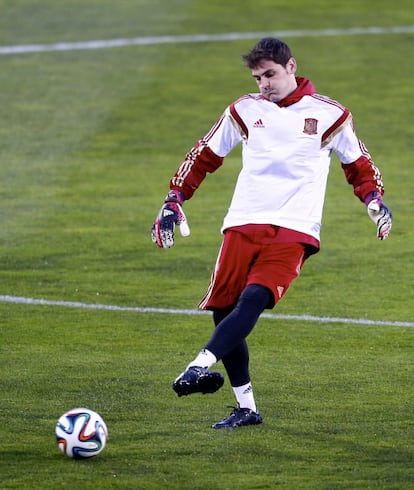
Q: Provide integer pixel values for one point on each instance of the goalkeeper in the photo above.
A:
(288, 132)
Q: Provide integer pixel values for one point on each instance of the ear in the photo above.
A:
(291, 66)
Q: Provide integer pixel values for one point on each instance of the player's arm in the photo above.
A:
(365, 177)
(205, 157)
(199, 161)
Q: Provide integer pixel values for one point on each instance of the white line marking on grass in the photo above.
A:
(177, 311)
(231, 36)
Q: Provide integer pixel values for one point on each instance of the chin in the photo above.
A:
(273, 98)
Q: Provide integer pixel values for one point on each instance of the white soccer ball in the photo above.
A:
(81, 433)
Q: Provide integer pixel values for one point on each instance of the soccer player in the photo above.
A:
(288, 132)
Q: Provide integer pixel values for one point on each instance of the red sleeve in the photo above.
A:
(199, 161)
(364, 176)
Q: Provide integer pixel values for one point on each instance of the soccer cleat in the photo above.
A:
(238, 418)
(197, 380)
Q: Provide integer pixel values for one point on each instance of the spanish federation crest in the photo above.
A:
(311, 126)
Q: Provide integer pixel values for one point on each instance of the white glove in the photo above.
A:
(381, 216)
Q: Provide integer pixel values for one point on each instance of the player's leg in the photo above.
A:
(227, 282)
(268, 280)
(238, 324)
(227, 339)
(283, 269)
(236, 364)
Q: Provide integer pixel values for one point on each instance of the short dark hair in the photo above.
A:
(269, 48)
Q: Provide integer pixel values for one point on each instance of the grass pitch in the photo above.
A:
(89, 140)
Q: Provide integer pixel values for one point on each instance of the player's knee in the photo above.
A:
(257, 294)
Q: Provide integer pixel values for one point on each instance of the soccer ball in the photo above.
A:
(81, 433)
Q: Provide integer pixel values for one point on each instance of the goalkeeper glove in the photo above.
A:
(380, 214)
(171, 214)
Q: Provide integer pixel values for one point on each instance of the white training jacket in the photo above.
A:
(285, 159)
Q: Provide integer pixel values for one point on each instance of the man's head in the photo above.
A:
(269, 48)
(273, 67)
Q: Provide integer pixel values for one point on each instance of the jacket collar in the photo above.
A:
(305, 87)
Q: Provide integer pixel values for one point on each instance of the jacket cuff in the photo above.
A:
(174, 196)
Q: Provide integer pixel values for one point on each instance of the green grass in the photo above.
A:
(89, 140)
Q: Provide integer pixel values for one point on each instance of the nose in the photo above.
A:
(264, 83)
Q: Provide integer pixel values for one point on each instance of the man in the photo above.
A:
(288, 133)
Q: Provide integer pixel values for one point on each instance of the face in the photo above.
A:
(275, 81)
